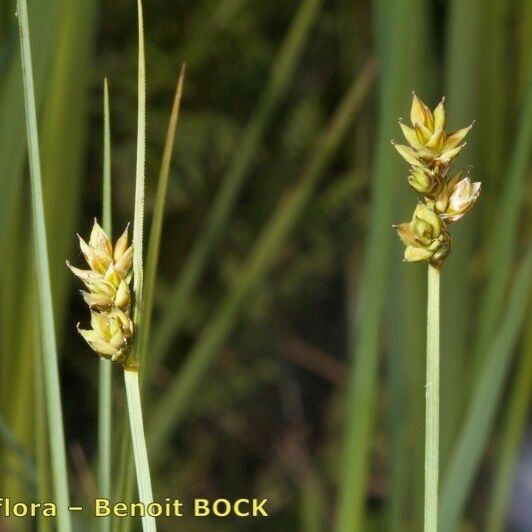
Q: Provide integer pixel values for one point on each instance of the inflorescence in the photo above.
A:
(108, 293)
(431, 153)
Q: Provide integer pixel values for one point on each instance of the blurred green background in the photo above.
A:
(286, 357)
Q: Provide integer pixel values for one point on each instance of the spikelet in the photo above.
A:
(107, 293)
(430, 153)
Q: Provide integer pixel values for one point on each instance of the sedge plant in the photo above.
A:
(114, 289)
(444, 200)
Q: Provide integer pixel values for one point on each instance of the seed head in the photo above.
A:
(110, 334)
(456, 198)
(429, 143)
(430, 153)
(425, 237)
(107, 293)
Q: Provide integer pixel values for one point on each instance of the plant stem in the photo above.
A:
(432, 394)
(131, 379)
(131, 372)
(105, 367)
(46, 311)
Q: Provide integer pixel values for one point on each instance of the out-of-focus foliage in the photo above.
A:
(270, 417)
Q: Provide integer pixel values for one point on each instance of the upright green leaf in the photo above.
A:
(485, 398)
(154, 242)
(12, 146)
(463, 53)
(105, 367)
(49, 346)
(395, 85)
(513, 429)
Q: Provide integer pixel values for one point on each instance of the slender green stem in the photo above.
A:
(432, 394)
(49, 345)
(131, 379)
(105, 367)
(131, 374)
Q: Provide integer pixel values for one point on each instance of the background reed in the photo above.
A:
(328, 295)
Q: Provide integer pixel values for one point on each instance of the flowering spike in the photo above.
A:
(108, 294)
(430, 154)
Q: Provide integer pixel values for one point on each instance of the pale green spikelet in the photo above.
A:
(431, 153)
(108, 293)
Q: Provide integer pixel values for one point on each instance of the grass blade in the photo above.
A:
(311, 506)
(104, 366)
(503, 234)
(107, 218)
(49, 347)
(125, 473)
(157, 221)
(512, 435)
(462, 88)
(138, 221)
(42, 448)
(11, 443)
(131, 367)
(12, 147)
(281, 74)
(466, 455)
(176, 401)
(405, 340)
(395, 59)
